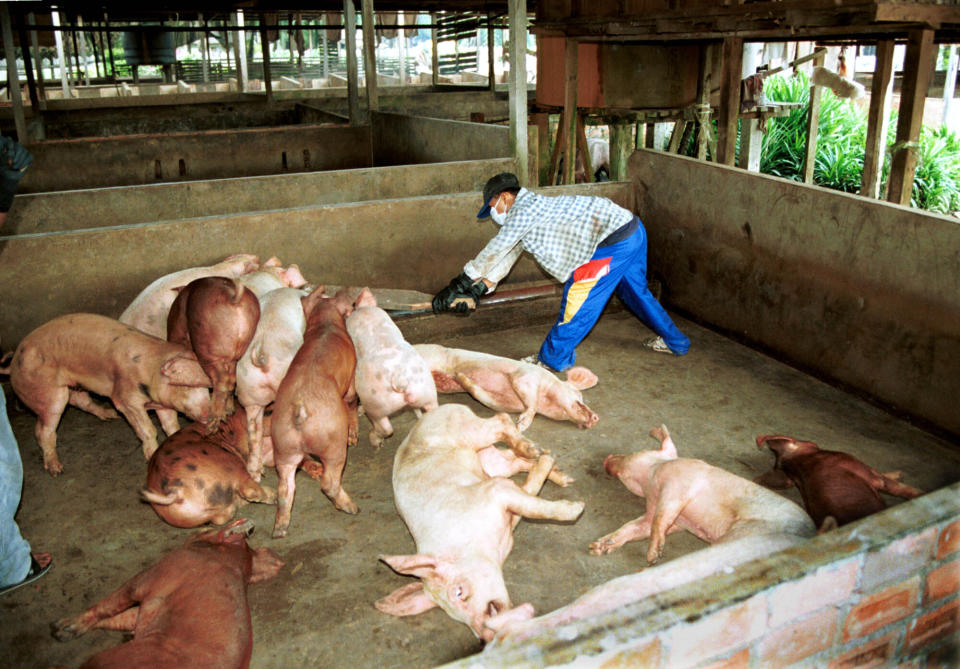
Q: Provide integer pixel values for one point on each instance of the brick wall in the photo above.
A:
(879, 592)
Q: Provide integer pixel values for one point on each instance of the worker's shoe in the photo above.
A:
(658, 345)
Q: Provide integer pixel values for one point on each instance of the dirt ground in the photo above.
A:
(319, 610)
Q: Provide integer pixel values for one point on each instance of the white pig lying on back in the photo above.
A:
(390, 375)
(148, 311)
(450, 487)
(263, 365)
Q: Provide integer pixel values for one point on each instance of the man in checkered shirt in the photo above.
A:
(589, 243)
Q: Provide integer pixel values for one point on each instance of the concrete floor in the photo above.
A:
(319, 610)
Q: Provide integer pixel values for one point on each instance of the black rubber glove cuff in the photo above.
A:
(461, 286)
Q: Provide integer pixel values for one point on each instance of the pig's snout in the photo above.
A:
(613, 464)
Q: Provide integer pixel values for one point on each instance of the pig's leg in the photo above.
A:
(669, 506)
(351, 403)
(632, 531)
(479, 433)
(516, 500)
(252, 491)
(122, 622)
(168, 421)
(49, 409)
(497, 462)
(330, 483)
(891, 485)
(286, 487)
(133, 408)
(527, 389)
(111, 606)
(774, 479)
(381, 430)
(255, 439)
(82, 400)
(477, 392)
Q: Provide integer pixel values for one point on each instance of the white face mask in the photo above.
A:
(497, 217)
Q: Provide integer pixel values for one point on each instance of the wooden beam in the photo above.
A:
(240, 49)
(751, 137)
(491, 71)
(369, 55)
(584, 151)
(13, 77)
(917, 69)
(880, 94)
(517, 20)
(353, 76)
(570, 111)
(731, 65)
(434, 54)
(265, 51)
(544, 157)
(620, 149)
(676, 136)
(703, 100)
(558, 143)
(813, 129)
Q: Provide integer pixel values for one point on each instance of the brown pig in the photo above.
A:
(833, 484)
(190, 609)
(65, 359)
(451, 488)
(503, 384)
(148, 311)
(195, 478)
(315, 412)
(740, 519)
(217, 318)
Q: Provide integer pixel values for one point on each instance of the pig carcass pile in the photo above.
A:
(291, 368)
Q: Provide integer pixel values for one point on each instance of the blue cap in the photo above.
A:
(496, 185)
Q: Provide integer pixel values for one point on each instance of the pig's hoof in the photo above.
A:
(279, 532)
(349, 507)
(65, 629)
(54, 467)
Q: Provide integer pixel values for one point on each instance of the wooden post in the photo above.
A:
(38, 59)
(649, 135)
(350, 44)
(813, 128)
(731, 64)
(369, 55)
(518, 87)
(113, 66)
(880, 95)
(81, 50)
(205, 50)
(434, 56)
(240, 52)
(542, 122)
(584, 150)
(570, 112)
(326, 50)
(558, 143)
(265, 50)
(402, 46)
(28, 67)
(61, 57)
(13, 77)
(620, 150)
(703, 101)
(949, 87)
(491, 72)
(676, 136)
(751, 137)
(917, 69)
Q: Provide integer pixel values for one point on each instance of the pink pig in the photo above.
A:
(272, 276)
(148, 311)
(59, 362)
(391, 375)
(451, 488)
(503, 384)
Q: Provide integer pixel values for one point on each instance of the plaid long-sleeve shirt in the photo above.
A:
(561, 232)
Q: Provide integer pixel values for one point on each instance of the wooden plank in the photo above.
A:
(620, 150)
(265, 51)
(880, 94)
(679, 127)
(570, 111)
(544, 155)
(558, 143)
(518, 87)
(731, 64)
(353, 75)
(917, 69)
(369, 56)
(703, 101)
(813, 124)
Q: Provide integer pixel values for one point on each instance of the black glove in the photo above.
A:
(14, 161)
(460, 296)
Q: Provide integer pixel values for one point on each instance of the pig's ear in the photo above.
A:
(266, 565)
(418, 565)
(294, 277)
(273, 261)
(184, 370)
(406, 601)
(581, 378)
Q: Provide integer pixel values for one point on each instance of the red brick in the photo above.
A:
(823, 588)
(949, 539)
(646, 655)
(881, 609)
(933, 626)
(898, 560)
(875, 653)
(943, 581)
(798, 640)
(717, 633)
(739, 660)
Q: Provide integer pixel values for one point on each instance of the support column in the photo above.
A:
(369, 55)
(28, 68)
(265, 50)
(58, 38)
(518, 87)
(434, 56)
(542, 121)
(240, 51)
(205, 50)
(491, 71)
(813, 129)
(13, 77)
(949, 87)
(731, 66)
(402, 46)
(751, 138)
(881, 93)
(569, 119)
(38, 60)
(917, 70)
(703, 101)
(82, 51)
(350, 44)
(621, 146)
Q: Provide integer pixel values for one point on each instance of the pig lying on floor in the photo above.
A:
(451, 488)
(741, 519)
(148, 311)
(188, 610)
(833, 485)
(509, 385)
(391, 375)
(196, 478)
(59, 362)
